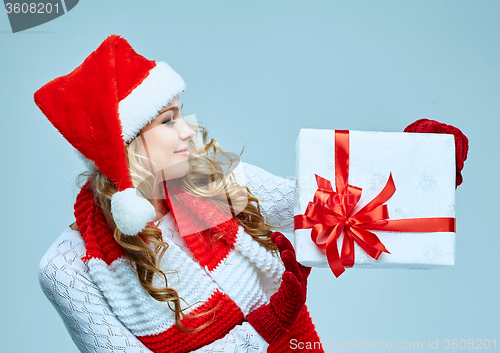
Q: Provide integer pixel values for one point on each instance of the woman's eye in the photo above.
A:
(169, 122)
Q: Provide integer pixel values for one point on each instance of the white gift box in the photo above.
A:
(423, 170)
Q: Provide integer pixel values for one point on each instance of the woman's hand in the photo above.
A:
(273, 320)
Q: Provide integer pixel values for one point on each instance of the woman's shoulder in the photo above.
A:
(62, 262)
(69, 239)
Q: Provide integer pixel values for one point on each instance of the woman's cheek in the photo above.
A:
(162, 160)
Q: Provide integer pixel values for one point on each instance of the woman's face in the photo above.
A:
(165, 141)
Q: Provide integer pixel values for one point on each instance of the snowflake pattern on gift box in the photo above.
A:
(400, 214)
(451, 210)
(432, 252)
(361, 257)
(377, 181)
(427, 182)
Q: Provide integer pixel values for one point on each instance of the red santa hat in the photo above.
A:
(101, 106)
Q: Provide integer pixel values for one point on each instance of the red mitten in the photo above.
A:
(273, 320)
(435, 127)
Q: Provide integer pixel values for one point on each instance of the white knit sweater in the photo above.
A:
(94, 318)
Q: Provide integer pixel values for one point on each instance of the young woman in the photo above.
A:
(171, 250)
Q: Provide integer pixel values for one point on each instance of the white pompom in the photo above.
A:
(131, 211)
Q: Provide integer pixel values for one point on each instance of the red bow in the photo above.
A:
(330, 214)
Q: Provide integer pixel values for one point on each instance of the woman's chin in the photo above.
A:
(175, 171)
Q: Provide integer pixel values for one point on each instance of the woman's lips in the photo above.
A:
(183, 153)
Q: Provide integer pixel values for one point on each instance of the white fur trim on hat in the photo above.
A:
(143, 103)
(131, 211)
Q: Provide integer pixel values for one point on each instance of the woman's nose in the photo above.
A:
(185, 132)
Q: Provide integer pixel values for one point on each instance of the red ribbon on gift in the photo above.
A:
(330, 214)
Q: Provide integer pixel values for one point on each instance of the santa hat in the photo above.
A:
(101, 106)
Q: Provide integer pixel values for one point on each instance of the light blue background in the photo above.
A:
(257, 72)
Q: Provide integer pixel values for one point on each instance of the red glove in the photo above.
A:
(273, 320)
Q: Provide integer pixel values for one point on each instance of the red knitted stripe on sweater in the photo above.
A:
(302, 332)
(227, 316)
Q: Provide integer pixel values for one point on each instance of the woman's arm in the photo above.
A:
(65, 280)
(276, 192)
